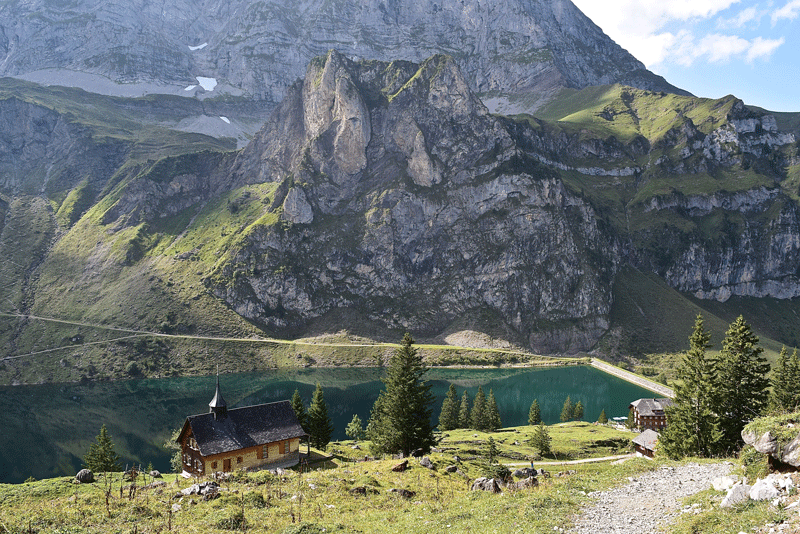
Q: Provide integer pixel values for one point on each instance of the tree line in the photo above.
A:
(483, 414)
(715, 397)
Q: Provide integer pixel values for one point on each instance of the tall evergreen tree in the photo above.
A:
(101, 458)
(464, 411)
(692, 427)
(354, 429)
(493, 413)
(603, 419)
(741, 385)
(478, 416)
(403, 416)
(320, 426)
(567, 410)
(541, 439)
(577, 411)
(534, 413)
(448, 418)
(299, 409)
(786, 382)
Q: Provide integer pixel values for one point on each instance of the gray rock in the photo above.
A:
(526, 483)
(525, 472)
(426, 462)
(296, 208)
(155, 474)
(451, 469)
(406, 494)
(764, 490)
(738, 494)
(724, 483)
(85, 476)
(486, 484)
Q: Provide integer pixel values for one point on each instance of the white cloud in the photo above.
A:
(763, 48)
(741, 19)
(789, 11)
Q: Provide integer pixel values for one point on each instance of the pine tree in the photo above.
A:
(448, 418)
(786, 383)
(492, 452)
(101, 458)
(493, 413)
(354, 429)
(541, 439)
(741, 386)
(603, 419)
(320, 426)
(299, 409)
(577, 411)
(535, 413)
(567, 411)
(692, 428)
(402, 420)
(464, 411)
(478, 416)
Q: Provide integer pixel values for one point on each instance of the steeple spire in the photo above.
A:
(218, 406)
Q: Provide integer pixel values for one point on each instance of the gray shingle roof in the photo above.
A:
(647, 439)
(245, 427)
(649, 407)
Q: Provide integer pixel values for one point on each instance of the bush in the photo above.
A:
(755, 464)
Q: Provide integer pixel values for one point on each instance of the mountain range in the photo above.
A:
(501, 176)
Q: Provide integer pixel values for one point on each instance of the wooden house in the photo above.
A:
(261, 436)
(649, 413)
(645, 443)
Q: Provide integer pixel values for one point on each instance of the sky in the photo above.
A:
(712, 48)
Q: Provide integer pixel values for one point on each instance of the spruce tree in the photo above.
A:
(299, 409)
(493, 413)
(577, 411)
(567, 411)
(741, 387)
(541, 439)
(101, 458)
(464, 411)
(786, 383)
(534, 413)
(692, 428)
(603, 419)
(320, 426)
(354, 429)
(478, 416)
(448, 418)
(402, 420)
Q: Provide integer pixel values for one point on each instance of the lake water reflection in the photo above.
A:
(47, 429)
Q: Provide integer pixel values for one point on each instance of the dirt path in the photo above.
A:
(572, 462)
(647, 502)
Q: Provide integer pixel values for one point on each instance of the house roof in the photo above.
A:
(243, 427)
(649, 407)
(647, 439)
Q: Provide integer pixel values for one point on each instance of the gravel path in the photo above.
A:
(648, 501)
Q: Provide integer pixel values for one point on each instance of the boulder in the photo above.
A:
(527, 483)
(402, 466)
(764, 490)
(525, 472)
(486, 484)
(738, 494)
(426, 462)
(406, 494)
(155, 474)
(724, 483)
(85, 476)
(451, 469)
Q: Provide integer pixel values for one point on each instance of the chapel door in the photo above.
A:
(226, 465)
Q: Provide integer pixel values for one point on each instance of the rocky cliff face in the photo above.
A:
(517, 54)
(403, 198)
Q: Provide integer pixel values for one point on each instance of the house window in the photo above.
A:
(213, 465)
(238, 459)
(265, 451)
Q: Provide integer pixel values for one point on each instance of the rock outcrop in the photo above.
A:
(778, 437)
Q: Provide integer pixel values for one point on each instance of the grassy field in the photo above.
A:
(325, 497)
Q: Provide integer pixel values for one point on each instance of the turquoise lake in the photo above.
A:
(47, 429)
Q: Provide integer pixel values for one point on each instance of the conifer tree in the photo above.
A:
(493, 413)
(320, 426)
(478, 416)
(534, 413)
(402, 420)
(567, 411)
(354, 429)
(448, 418)
(492, 452)
(541, 439)
(786, 382)
(577, 411)
(692, 427)
(101, 458)
(741, 387)
(603, 419)
(299, 409)
(464, 411)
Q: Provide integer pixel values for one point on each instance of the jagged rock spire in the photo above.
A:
(218, 406)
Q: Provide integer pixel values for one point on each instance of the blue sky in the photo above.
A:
(712, 48)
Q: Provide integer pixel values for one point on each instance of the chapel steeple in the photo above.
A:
(218, 406)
